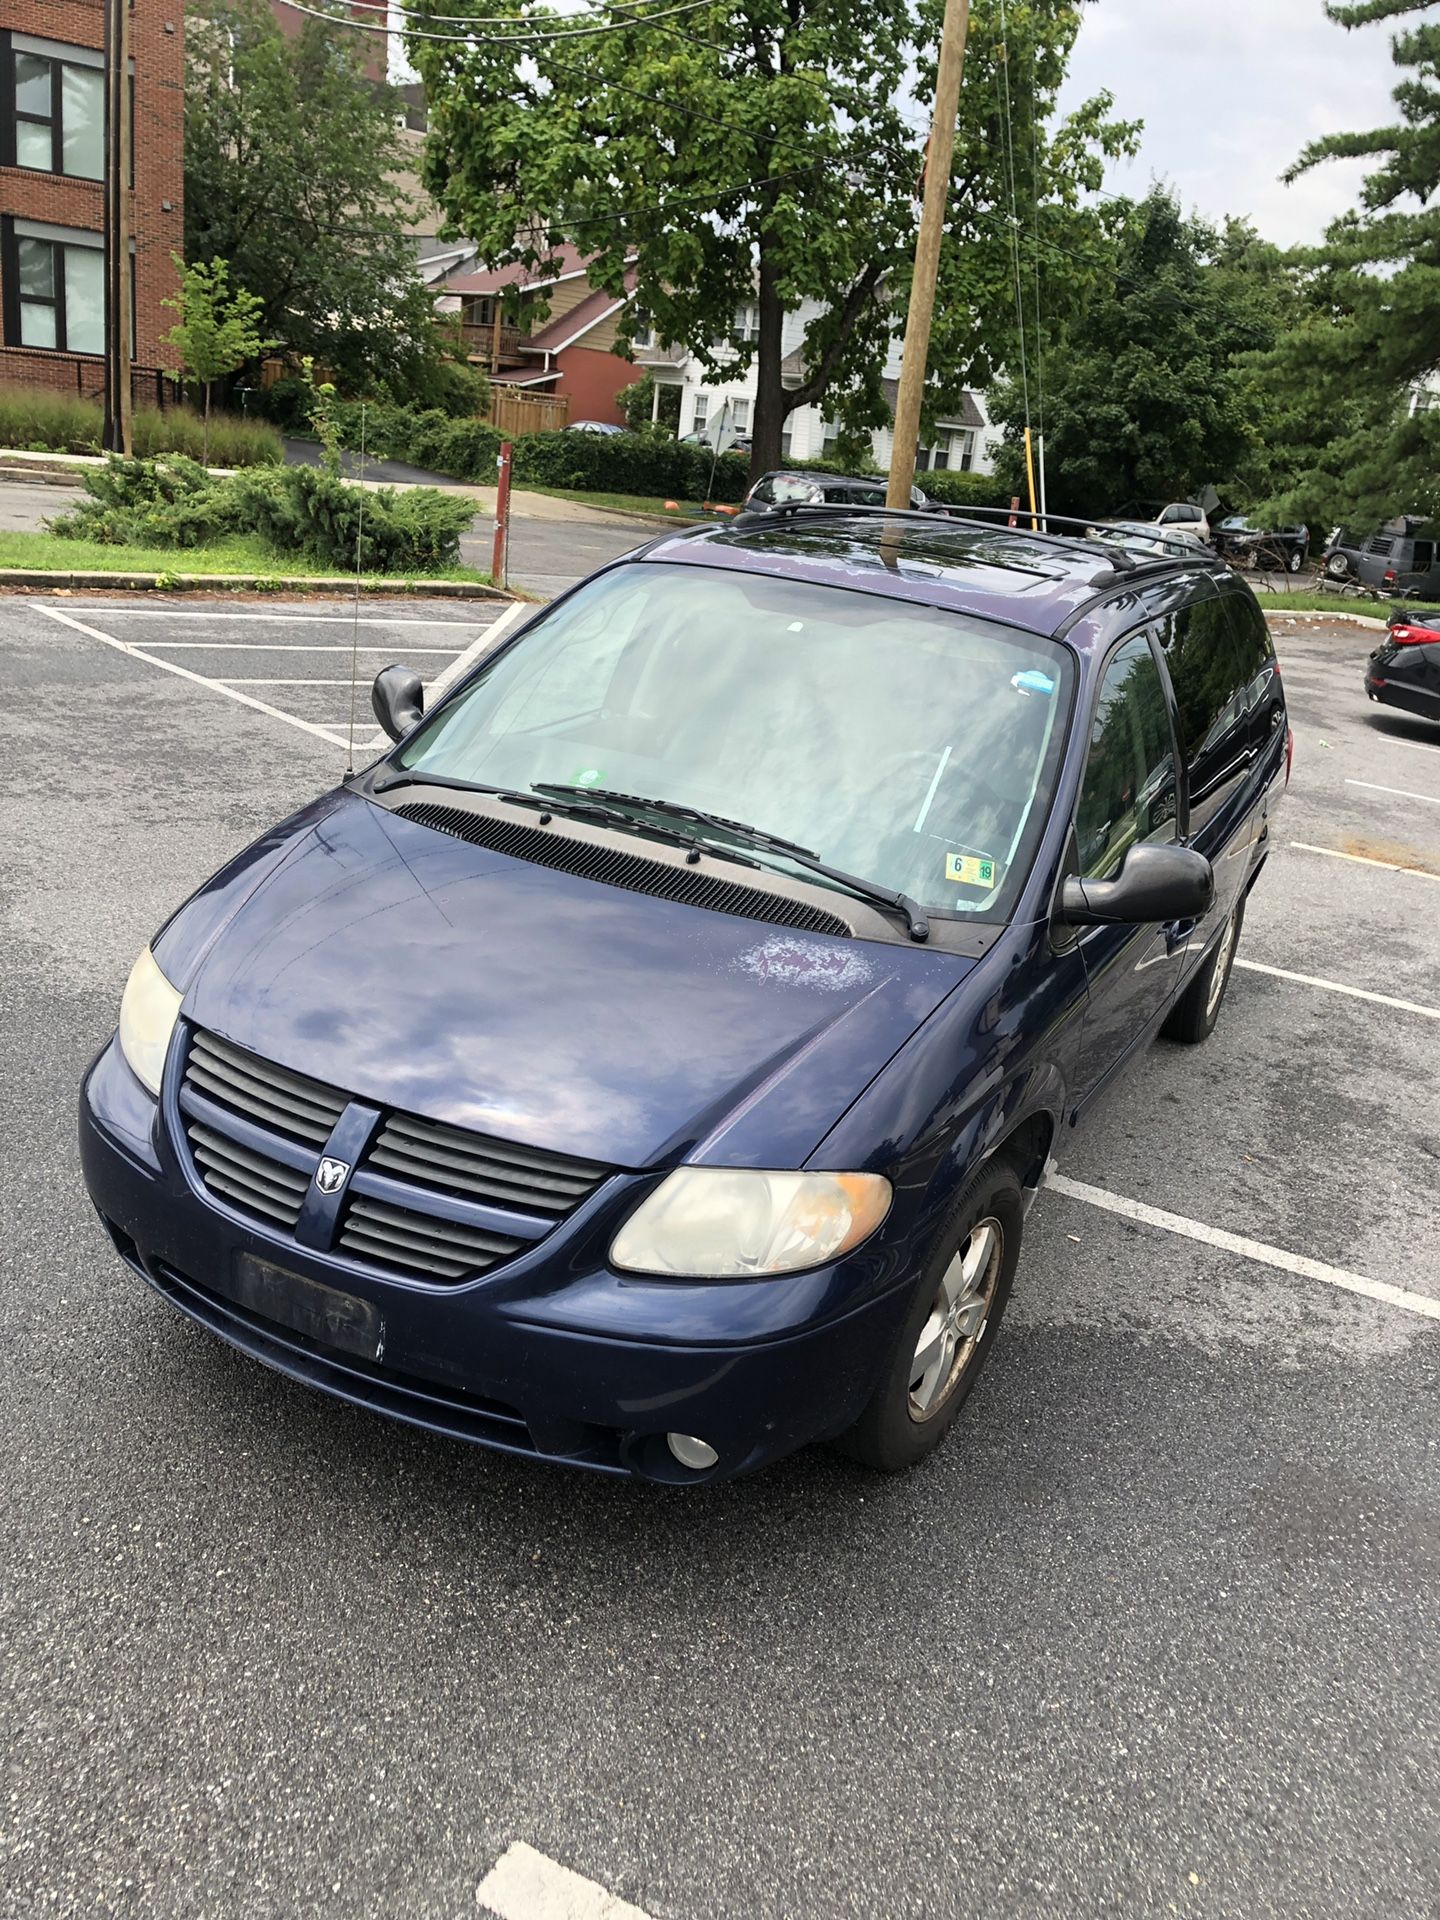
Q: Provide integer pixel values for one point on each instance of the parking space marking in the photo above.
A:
(1339, 986)
(1420, 746)
(1296, 1263)
(272, 646)
(1363, 860)
(1401, 793)
(524, 1884)
(283, 619)
(200, 679)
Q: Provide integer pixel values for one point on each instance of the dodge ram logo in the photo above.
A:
(330, 1175)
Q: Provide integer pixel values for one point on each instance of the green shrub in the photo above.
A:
(287, 403)
(453, 386)
(954, 489)
(149, 503)
(234, 442)
(57, 422)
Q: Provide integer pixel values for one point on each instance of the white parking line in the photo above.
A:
(200, 680)
(1364, 860)
(1338, 986)
(244, 680)
(1296, 1263)
(284, 619)
(275, 646)
(526, 1885)
(1420, 746)
(1401, 793)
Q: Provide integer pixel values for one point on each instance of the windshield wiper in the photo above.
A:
(580, 807)
(916, 922)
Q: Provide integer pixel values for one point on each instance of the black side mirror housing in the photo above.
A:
(1155, 883)
(398, 700)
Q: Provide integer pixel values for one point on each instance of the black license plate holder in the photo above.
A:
(341, 1321)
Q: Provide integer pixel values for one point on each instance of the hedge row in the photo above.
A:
(295, 510)
(39, 421)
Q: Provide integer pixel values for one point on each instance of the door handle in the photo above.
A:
(1177, 932)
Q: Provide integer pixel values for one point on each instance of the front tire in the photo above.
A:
(946, 1337)
(1193, 1017)
(1296, 560)
(1337, 566)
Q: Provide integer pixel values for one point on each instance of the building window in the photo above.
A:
(830, 432)
(747, 323)
(740, 415)
(955, 449)
(787, 440)
(702, 411)
(52, 107)
(644, 333)
(54, 288)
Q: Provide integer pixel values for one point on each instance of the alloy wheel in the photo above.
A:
(955, 1324)
(1222, 967)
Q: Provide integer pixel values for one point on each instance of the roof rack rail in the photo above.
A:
(1119, 556)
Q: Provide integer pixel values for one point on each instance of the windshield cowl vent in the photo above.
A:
(615, 867)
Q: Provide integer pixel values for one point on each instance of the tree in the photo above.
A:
(291, 158)
(1373, 329)
(1145, 392)
(764, 153)
(218, 329)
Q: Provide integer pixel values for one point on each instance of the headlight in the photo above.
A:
(149, 1009)
(712, 1223)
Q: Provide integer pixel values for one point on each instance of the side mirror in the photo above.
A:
(397, 700)
(1155, 883)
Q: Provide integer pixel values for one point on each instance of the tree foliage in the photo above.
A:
(1146, 393)
(764, 153)
(290, 163)
(218, 330)
(1372, 330)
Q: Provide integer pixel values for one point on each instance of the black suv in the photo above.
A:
(786, 488)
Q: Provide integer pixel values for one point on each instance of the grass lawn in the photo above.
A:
(624, 502)
(1317, 601)
(241, 554)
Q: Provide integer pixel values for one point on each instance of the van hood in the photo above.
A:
(416, 971)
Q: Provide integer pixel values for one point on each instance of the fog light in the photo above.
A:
(691, 1452)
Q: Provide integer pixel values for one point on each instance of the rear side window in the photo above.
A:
(1424, 557)
(1218, 653)
(1129, 790)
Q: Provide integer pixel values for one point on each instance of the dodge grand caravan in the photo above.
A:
(647, 1064)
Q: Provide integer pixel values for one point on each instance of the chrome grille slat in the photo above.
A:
(426, 1153)
(216, 1146)
(459, 1141)
(249, 1179)
(418, 1242)
(475, 1178)
(376, 1216)
(291, 1102)
(256, 1107)
(227, 1076)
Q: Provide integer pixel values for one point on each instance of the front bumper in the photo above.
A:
(494, 1363)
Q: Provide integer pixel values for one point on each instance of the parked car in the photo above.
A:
(1238, 538)
(648, 1062)
(783, 488)
(1341, 558)
(593, 426)
(1169, 514)
(1404, 670)
(1145, 535)
(1402, 558)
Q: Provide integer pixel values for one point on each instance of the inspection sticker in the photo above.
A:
(970, 869)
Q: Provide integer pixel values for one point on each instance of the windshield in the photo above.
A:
(909, 746)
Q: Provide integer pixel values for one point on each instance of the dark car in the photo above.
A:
(1404, 670)
(1341, 558)
(1402, 558)
(648, 1063)
(1238, 538)
(784, 488)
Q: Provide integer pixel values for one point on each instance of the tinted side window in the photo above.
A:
(1129, 789)
(1216, 652)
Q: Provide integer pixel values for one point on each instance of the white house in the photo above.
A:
(963, 441)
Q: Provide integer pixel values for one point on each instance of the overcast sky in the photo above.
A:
(1230, 91)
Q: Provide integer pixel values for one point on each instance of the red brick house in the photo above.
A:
(52, 160)
(570, 353)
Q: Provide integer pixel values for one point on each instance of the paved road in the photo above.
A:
(1155, 1635)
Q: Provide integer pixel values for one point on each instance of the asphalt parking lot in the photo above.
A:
(1155, 1634)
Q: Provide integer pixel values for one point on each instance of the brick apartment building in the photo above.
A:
(52, 158)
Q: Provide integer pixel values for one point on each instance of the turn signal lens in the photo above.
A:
(719, 1223)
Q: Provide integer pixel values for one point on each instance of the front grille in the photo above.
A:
(424, 1197)
(613, 867)
(491, 1171)
(251, 1180)
(421, 1242)
(272, 1096)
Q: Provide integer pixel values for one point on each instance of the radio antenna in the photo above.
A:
(355, 616)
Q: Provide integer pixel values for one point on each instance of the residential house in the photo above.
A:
(963, 440)
(52, 165)
(566, 352)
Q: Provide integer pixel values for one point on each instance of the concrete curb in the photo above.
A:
(268, 584)
(1313, 613)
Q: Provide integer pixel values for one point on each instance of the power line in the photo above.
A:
(479, 39)
(627, 19)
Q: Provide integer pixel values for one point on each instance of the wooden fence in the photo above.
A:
(514, 411)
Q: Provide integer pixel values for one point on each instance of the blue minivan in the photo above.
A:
(648, 1063)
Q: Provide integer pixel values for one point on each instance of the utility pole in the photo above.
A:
(940, 154)
(118, 349)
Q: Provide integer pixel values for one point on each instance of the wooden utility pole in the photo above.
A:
(118, 350)
(940, 154)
